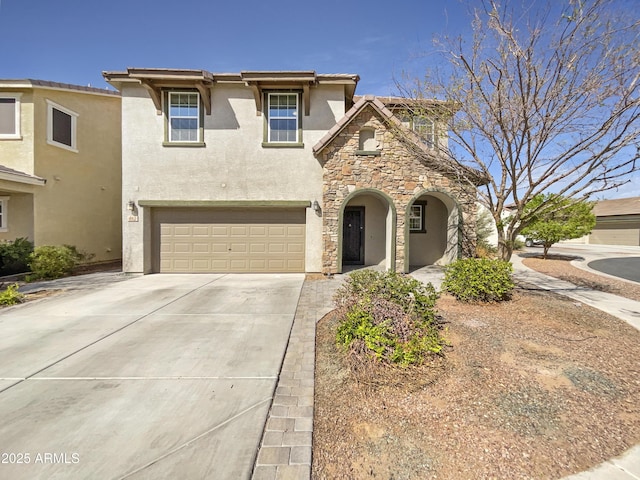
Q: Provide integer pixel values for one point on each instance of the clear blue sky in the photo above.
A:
(73, 41)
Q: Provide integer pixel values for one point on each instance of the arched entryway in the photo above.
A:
(431, 230)
(366, 230)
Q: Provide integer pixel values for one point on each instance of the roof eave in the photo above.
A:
(22, 178)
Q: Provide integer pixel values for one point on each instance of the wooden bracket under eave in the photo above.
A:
(156, 95)
(257, 95)
(306, 99)
(205, 94)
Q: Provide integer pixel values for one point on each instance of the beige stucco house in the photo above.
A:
(280, 172)
(60, 166)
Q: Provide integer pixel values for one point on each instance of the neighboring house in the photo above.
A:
(281, 172)
(617, 222)
(60, 166)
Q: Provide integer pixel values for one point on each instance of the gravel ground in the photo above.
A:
(538, 387)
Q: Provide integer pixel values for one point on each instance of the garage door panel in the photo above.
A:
(201, 231)
(257, 231)
(181, 247)
(182, 231)
(201, 247)
(238, 231)
(295, 248)
(257, 247)
(208, 240)
(219, 231)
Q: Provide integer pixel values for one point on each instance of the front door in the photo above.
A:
(353, 236)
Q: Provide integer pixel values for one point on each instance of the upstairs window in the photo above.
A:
(61, 127)
(283, 118)
(184, 117)
(425, 128)
(10, 116)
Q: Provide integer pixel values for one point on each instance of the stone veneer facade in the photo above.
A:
(393, 172)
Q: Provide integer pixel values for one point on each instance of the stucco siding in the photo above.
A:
(81, 201)
(19, 216)
(427, 247)
(19, 153)
(233, 165)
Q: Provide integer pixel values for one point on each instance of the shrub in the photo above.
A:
(479, 280)
(11, 296)
(48, 262)
(518, 244)
(389, 317)
(14, 256)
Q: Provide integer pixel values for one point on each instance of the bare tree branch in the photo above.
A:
(547, 100)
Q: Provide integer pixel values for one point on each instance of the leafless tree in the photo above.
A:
(542, 98)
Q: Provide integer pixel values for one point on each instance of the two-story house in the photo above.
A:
(280, 171)
(60, 166)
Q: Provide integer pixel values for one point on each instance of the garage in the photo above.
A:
(616, 233)
(617, 222)
(228, 240)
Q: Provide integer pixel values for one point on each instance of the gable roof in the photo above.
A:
(12, 175)
(439, 163)
(620, 206)
(361, 104)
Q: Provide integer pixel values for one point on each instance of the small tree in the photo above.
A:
(557, 218)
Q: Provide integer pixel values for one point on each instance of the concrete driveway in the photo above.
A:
(161, 376)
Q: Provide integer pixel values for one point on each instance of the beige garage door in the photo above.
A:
(616, 233)
(229, 240)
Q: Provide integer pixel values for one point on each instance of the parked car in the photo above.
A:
(530, 242)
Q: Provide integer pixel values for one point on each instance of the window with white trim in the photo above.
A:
(4, 210)
(183, 117)
(425, 128)
(416, 217)
(61, 126)
(10, 115)
(283, 118)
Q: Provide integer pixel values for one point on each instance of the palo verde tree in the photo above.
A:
(555, 218)
(542, 98)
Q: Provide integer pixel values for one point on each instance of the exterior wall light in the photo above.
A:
(315, 206)
(131, 205)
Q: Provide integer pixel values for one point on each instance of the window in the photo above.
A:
(425, 128)
(416, 217)
(368, 140)
(183, 117)
(283, 118)
(10, 116)
(4, 220)
(61, 126)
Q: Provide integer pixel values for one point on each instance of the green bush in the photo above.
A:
(14, 256)
(48, 262)
(479, 280)
(11, 296)
(518, 244)
(389, 317)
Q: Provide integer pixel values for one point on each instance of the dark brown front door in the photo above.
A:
(353, 236)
